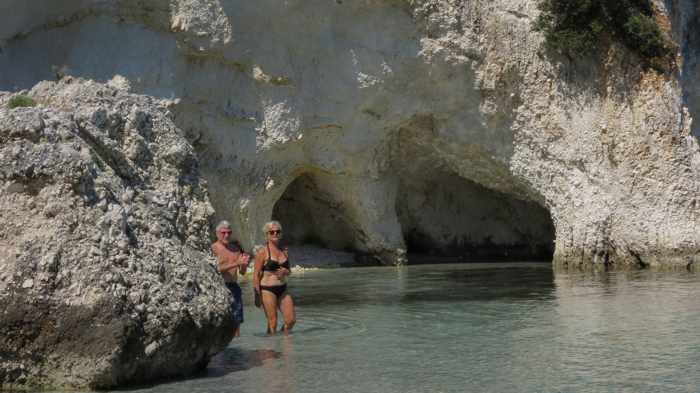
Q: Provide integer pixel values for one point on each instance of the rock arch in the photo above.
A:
(318, 224)
(461, 201)
(312, 215)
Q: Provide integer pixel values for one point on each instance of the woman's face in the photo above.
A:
(274, 233)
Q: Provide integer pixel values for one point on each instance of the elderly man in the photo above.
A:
(232, 260)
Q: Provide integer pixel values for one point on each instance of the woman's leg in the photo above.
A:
(269, 301)
(288, 313)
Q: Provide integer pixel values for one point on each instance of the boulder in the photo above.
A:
(104, 275)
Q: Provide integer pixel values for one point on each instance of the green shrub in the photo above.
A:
(575, 27)
(20, 100)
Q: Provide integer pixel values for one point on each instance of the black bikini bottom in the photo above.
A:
(278, 290)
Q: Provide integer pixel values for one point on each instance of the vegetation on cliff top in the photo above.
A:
(575, 28)
(20, 100)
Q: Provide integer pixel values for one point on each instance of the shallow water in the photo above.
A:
(470, 328)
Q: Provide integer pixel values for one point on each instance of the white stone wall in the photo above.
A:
(270, 90)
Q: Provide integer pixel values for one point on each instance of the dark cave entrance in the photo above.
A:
(446, 218)
(310, 215)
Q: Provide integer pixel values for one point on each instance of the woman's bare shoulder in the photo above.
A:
(259, 250)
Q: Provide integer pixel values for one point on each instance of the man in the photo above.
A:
(232, 260)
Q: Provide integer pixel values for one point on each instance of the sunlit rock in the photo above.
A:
(90, 294)
(368, 101)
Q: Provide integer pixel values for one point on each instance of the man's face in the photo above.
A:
(224, 234)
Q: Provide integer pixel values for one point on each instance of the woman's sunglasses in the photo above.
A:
(277, 232)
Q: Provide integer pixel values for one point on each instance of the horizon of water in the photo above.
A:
(469, 328)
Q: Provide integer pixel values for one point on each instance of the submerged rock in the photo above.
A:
(103, 278)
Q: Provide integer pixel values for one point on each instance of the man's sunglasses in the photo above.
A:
(277, 232)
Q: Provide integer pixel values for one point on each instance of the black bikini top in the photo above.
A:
(271, 265)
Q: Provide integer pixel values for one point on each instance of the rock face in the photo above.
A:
(388, 117)
(686, 31)
(104, 218)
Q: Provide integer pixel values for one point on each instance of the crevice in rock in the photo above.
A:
(114, 159)
(640, 262)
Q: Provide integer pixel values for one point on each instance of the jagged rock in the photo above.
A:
(355, 110)
(90, 295)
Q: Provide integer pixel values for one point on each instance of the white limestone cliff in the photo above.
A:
(400, 125)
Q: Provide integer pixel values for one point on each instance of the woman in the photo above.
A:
(270, 279)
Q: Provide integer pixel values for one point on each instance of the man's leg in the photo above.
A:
(236, 308)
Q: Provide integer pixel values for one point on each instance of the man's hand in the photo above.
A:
(243, 261)
(245, 258)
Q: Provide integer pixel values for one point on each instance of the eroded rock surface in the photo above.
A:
(687, 31)
(363, 98)
(103, 278)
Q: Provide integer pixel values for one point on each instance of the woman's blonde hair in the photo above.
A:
(268, 224)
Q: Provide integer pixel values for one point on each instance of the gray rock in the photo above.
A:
(398, 123)
(90, 296)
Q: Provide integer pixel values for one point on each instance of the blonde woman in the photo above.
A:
(270, 279)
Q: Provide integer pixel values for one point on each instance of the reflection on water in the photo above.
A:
(424, 283)
(237, 359)
(471, 328)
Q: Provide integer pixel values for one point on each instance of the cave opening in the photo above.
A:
(314, 222)
(447, 218)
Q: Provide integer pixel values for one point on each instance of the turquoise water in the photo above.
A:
(470, 328)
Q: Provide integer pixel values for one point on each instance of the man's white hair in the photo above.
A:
(268, 224)
(221, 225)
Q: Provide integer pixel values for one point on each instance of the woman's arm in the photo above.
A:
(257, 268)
